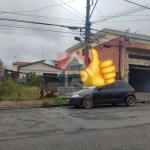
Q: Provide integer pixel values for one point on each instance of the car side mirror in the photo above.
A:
(99, 88)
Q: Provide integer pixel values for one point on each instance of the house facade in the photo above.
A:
(3, 67)
(18, 63)
(40, 68)
(130, 53)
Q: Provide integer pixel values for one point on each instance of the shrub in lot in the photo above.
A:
(45, 103)
(32, 79)
(60, 101)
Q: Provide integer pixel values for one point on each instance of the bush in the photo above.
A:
(59, 101)
(32, 79)
(45, 103)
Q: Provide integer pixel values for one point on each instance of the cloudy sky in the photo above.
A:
(27, 41)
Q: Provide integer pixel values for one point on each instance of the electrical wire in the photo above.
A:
(72, 8)
(39, 23)
(67, 9)
(93, 8)
(130, 20)
(81, 23)
(36, 16)
(123, 13)
(3, 25)
(45, 7)
(103, 17)
(137, 4)
(35, 34)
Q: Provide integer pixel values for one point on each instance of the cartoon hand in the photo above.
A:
(98, 73)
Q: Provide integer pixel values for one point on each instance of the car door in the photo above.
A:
(122, 90)
(105, 93)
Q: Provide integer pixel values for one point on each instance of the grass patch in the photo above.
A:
(12, 90)
(59, 101)
(45, 103)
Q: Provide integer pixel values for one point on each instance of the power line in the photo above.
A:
(72, 8)
(81, 23)
(36, 16)
(103, 17)
(35, 29)
(124, 13)
(67, 9)
(45, 7)
(35, 34)
(93, 8)
(130, 20)
(137, 4)
(40, 23)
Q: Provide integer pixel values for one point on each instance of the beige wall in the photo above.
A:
(38, 68)
(14, 67)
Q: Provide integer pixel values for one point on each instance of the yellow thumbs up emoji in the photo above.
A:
(98, 73)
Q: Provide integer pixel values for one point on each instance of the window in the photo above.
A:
(110, 86)
(121, 84)
(139, 57)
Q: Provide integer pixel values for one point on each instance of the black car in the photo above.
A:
(118, 92)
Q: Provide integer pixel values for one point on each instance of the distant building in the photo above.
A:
(16, 64)
(40, 68)
(3, 67)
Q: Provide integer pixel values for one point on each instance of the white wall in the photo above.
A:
(38, 68)
(101, 40)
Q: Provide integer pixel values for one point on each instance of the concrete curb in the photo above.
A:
(25, 105)
(59, 105)
(143, 101)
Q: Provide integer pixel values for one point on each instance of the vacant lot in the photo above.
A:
(68, 128)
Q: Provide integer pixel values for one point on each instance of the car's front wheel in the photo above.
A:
(87, 102)
(130, 101)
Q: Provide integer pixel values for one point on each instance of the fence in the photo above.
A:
(15, 87)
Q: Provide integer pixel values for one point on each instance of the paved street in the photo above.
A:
(68, 128)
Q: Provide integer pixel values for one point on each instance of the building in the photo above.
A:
(129, 51)
(40, 68)
(18, 63)
(3, 67)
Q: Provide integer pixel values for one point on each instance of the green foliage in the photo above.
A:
(59, 101)
(32, 79)
(45, 103)
(12, 90)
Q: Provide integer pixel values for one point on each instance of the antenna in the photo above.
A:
(42, 54)
(14, 58)
(137, 31)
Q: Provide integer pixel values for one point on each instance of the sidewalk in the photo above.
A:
(26, 104)
(20, 104)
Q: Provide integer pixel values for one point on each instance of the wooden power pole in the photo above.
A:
(87, 33)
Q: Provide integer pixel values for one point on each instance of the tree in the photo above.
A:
(32, 79)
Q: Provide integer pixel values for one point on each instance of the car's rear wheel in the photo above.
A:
(87, 102)
(130, 101)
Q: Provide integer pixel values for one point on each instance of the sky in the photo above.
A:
(27, 42)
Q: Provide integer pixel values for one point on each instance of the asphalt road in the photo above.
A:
(68, 128)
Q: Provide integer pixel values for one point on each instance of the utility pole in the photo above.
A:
(87, 34)
(119, 69)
